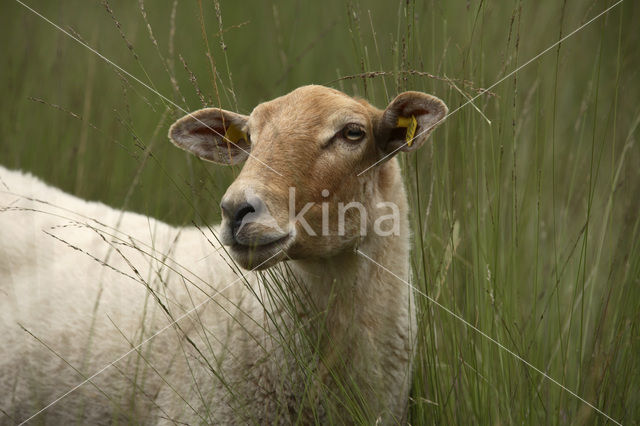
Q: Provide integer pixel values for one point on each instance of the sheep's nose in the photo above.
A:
(236, 212)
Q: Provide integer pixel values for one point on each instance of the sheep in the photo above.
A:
(110, 316)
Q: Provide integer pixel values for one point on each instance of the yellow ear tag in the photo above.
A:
(411, 124)
(234, 134)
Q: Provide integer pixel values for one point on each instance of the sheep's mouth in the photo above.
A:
(261, 256)
(260, 246)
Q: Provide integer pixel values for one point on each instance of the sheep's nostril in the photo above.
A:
(241, 212)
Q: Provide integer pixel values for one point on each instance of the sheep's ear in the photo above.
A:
(408, 121)
(213, 134)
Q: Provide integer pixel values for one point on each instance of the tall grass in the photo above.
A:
(524, 208)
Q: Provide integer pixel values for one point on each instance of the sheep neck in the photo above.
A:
(365, 314)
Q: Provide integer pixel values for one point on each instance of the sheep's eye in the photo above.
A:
(353, 132)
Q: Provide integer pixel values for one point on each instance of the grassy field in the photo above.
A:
(525, 208)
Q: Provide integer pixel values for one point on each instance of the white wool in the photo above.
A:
(75, 280)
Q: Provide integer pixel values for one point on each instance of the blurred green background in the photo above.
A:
(524, 208)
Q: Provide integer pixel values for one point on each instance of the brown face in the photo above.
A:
(304, 152)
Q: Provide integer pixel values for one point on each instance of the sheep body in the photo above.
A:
(53, 284)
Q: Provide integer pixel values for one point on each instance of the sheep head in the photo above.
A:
(314, 161)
